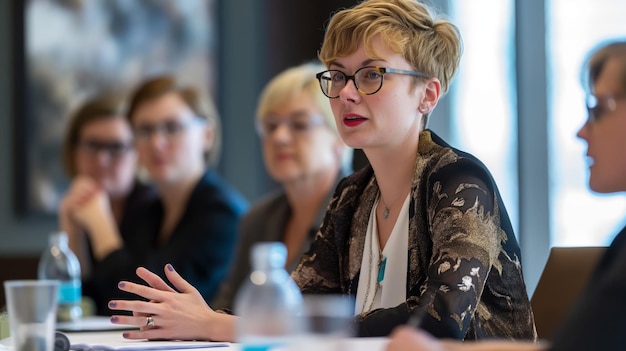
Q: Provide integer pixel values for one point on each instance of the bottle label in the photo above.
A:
(70, 292)
(263, 343)
(261, 347)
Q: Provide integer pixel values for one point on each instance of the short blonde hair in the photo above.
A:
(429, 43)
(287, 85)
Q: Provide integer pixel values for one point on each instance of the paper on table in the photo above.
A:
(148, 345)
(105, 341)
(94, 323)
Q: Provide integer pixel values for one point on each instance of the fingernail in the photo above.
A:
(170, 268)
(121, 285)
(113, 319)
(125, 335)
(112, 304)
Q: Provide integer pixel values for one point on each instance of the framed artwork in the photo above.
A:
(69, 50)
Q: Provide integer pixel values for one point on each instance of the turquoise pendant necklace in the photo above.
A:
(381, 270)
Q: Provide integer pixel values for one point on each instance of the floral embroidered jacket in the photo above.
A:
(464, 271)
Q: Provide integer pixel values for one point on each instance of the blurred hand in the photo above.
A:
(80, 191)
(92, 208)
(184, 315)
(411, 339)
(86, 208)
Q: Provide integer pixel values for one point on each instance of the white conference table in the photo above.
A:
(113, 340)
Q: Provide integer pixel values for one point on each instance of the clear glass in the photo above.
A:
(578, 216)
(32, 305)
(484, 113)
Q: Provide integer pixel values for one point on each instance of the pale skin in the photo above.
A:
(606, 140)
(389, 133)
(409, 339)
(183, 315)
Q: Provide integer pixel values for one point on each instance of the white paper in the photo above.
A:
(136, 345)
(94, 323)
(105, 341)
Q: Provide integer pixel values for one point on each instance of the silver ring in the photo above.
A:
(150, 321)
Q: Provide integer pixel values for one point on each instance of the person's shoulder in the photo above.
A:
(442, 158)
(214, 188)
(143, 200)
(143, 193)
(275, 201)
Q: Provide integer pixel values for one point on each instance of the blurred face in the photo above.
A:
(385, 118)
(170, 139)
(105, 153)
(297, 144)
(605, 132)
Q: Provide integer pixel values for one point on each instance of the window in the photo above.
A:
(483, 113)
(578, 216)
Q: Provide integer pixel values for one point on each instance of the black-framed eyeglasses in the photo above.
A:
(114, 149)
(368, 80)
(298, 124)
(599, 105)
(170, 129)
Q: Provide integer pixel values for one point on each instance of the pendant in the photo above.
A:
(386, 213)
(381, 270)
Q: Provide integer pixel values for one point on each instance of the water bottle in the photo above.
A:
(269, 304)
(58, 262)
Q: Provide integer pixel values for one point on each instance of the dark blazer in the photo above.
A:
(200, 247)
(598, 321)
(464, 267)
(266, 221)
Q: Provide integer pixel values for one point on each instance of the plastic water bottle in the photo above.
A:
(58, 262)
(269, 304)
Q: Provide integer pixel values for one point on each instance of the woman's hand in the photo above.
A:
(80, 191)
(411, 339)
(178, 316)
(86, 208)
(92, 207)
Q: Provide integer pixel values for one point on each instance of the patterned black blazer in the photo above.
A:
(464, 266)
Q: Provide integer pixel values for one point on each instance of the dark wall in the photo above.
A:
(258, 38)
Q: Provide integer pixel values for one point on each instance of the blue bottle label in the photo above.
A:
(263, 344)
(259, 347)
(70, 292)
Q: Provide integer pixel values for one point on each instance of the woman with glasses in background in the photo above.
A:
(303, 152)
(193, 222)
(597, 321)
(423, 230)
(99, 156)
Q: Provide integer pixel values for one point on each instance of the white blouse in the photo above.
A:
(382, 281)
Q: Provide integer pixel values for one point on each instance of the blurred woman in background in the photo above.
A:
(193, 223)
(303, 152)
(596, 322)
(99, 156)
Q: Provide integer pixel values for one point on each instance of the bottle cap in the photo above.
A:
(57, 237)
(267, 255)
